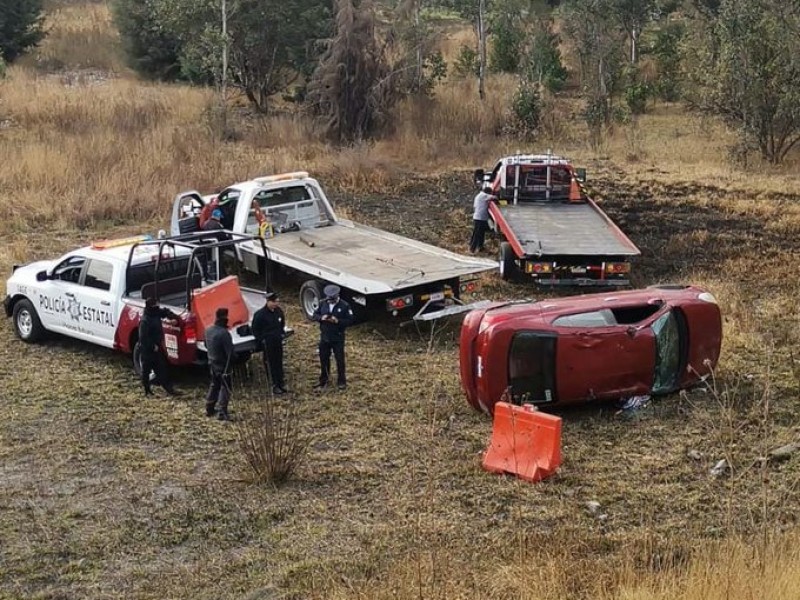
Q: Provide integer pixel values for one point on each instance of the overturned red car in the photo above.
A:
(573, 350)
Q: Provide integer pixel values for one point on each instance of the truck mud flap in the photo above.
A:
(449, 311)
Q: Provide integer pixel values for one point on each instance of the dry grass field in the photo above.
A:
(106, 494)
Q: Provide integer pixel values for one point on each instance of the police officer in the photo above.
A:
(334, 315)
(219, 346)
(268, 328)
(151, 332)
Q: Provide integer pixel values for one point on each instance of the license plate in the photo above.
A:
(437, 296)
(578, 270)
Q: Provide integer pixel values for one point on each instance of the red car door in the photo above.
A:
(604, 361)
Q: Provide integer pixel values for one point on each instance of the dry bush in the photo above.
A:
(80, 35)
(269, 432)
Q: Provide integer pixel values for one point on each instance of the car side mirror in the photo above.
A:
(631, 331)
(42, 276)
(479, 176)
(580, 175)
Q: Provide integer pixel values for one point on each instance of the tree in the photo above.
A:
(271, 43)
(476, 12)
(749, 73)
(543, 58)
(353, 86)
(422, 65)
(507, 25)
(633, 15)
(150, 49)
(599, 43)
(21, 23)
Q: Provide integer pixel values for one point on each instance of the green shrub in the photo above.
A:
(667, 52)
(636, 96)
(466, 63)
(544, 58)
(527, 108)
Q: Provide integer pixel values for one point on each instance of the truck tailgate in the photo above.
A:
(369, 260)
(557, 228)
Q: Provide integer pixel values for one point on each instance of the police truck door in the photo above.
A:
(99, 304)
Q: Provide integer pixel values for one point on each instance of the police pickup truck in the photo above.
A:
(97, 294)
(302, 235)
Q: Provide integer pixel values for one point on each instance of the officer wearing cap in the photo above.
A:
(215, 225)
(151, 332)
(334, 315)
(268, 327)
(219, 346)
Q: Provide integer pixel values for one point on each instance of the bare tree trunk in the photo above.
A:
(482, 47)
(224, 77)
(634, 45)
(417, 10)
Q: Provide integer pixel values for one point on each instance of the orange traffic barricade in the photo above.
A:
(223, 293)
(525, 442)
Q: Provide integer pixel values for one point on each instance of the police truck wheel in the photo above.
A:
(26, 322)
(311, 295)
(508, 265)
(137, 362)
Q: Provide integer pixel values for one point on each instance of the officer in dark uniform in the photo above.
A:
(268, 329)
(151, 332)
(219, 346)
(334, 315)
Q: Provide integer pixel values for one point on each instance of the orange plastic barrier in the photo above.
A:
(525, 442)
(223, 293)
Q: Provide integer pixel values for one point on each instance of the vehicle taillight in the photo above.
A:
(468, 287)
(621, 267)
(535, 267)
(190, 331)
(399, 303)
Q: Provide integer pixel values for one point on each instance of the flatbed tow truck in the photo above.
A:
(553, 232)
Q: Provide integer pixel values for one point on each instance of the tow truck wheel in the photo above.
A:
(26, 322)
(508, 264)
(311, 295)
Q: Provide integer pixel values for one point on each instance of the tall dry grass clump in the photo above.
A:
(80, 35)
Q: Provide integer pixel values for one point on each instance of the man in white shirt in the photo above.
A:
(480, 219)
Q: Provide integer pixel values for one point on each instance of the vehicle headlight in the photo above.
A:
(707, 297)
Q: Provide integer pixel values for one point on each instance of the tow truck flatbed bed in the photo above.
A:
(550, 228)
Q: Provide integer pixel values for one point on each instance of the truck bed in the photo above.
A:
(559, 228)
(368, 260)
